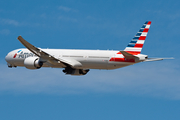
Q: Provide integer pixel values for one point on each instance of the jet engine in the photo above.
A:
(32, 63)
(72, 71)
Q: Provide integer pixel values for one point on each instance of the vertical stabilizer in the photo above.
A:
(136, 44)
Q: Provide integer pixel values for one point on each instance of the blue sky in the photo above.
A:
(143, 91)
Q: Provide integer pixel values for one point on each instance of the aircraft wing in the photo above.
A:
(49, 58)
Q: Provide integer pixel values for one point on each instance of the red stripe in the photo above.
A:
(131, 52)
(146, 29)
(149, 23)
(139, 45)
(142, 38)
(15, 55)
(119, 53)
(134, 52)
(122, 60)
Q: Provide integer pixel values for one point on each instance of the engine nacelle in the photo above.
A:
(72, 71)
(33, 63)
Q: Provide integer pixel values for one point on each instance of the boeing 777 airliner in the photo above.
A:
(78, 62)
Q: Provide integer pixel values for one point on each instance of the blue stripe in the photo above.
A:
(138, 34)
(133, 42)
(136, 38)
(131, 45)
(143, 26)
(19, 51)
(141, 30)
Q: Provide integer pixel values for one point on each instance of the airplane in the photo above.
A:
(78, 62)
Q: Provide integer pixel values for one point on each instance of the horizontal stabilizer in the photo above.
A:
(155, 59)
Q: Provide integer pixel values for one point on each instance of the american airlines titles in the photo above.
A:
(26, 54)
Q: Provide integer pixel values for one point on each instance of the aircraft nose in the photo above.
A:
(7, 58)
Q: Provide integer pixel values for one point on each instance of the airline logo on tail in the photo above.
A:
(136, 44)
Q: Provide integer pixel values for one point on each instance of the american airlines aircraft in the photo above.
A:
(78, 62)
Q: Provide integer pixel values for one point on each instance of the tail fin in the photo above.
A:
(136, 44)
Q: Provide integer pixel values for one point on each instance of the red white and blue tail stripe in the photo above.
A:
(135, 46)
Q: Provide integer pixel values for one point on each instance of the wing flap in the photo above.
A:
(74, 63)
